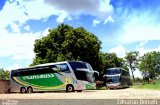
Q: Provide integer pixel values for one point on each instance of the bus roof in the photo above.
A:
(48, 64)
(117, 68)
(114, 68)
(45, 65)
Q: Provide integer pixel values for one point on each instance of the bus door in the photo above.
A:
(62, 75)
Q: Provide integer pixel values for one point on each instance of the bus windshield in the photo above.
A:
(113, 71)
(113, 79)
(78, 65)
(83, 74)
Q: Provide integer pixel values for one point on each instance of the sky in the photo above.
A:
(121, 25)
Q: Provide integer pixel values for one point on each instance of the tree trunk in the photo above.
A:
(132, 72)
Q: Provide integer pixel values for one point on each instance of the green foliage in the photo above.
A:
(125, 66)
(150, 65)
(111, 60)
(155, 85)
(4, 74)
(132, 60)
(67, 43)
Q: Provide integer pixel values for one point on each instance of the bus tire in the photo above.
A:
(69, 88)
(23, 90)
(30, 89)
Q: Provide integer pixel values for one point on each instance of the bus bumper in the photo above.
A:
(114, 85)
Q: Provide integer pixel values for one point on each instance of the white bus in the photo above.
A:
(117, 78)
(68, 75)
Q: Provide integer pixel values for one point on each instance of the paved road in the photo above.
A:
(128, 93)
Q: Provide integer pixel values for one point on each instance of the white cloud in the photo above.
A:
(63, 15)
(119, 50)
(13, 67)
(38, 9)
(45, 32)
(27, 28)
(142, 50)
(11, 13)
(34, 9)
(109, 19)
(141, 44)
(16, 45)
(140, 27)
(14, 27)
(95, 22)
(105, 10)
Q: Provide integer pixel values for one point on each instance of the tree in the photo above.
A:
(111, 60)
(67, 43)
(4, 74)
(125, 66)
(132, 60)
(150, 64)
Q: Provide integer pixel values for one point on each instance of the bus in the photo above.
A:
(67, 75)
(117, 78)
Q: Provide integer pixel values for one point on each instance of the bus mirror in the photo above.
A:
(96, 75)
(104, 76)
(96, 72)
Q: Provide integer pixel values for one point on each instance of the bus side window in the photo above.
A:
(25, 72)
(64, 68)
(13, 73)
(17, 73)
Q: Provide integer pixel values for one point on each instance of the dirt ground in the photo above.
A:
(128, 93)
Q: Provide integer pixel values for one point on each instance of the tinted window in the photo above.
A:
(114, 79)
(13, 72)
(81, 75)
(89, 67)
(64, 67)
(113, 71)
(76, 65)
(32, 71)
(85, 75)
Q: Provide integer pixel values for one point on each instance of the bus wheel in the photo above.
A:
(23, 90)
(30, 90)
(69, 88)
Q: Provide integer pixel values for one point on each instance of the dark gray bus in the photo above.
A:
(117, 78)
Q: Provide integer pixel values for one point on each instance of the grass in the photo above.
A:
(102, 88)
(154, 85)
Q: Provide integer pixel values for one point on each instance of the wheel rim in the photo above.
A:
(23, 90)
(70, 88)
